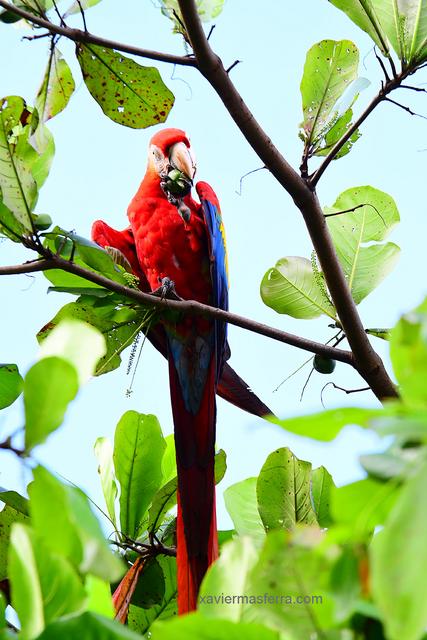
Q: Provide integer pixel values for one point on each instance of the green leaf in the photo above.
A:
(8, 516)
(17, 185)
(321, 487)
(87, 626)
(61, 516)
(335, 133)
(14, 500)
(10, 384)
(363, 505)
(77, 7)
(10, 227)
(283, 491)
(329, 69)
(207, 9)
(399, 563)
(293, 288)
(196, 627)
(290, 567)
(78, 343)
(402, 24)
(165, 498)
(99, 596)
(169, 459)
(49, 386)
(241, 503)
(104, 455)
(141, 618)
(52, 577)
(346, 582)
(326, 425)
(27, 598)
(408, 350)
(119, 324)
(8, 17)
(128, 93)
(228, 575)
(357, 235)
(363, 13)
(138, 452)
(57, 86)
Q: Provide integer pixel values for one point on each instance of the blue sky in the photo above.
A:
(98, 167)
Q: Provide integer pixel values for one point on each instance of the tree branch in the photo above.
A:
(185, 306)
(367, 361)
(89, 38)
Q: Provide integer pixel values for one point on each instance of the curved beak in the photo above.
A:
(181, 158)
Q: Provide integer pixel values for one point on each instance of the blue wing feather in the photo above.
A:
(219, 266)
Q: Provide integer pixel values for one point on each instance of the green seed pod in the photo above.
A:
(323, 365)
(42, 222)
(177, 183)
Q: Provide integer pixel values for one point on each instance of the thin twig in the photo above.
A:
(82, 13)
(245, 175)
(405, 108)
(235, 63)
(77, 35)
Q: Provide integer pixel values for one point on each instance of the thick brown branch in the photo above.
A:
(185, 306)
(84, 36)
(368, 362)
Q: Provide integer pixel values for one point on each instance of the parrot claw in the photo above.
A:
(166, 290)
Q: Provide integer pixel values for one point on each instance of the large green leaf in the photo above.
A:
(61, 516)
(128, 93)
(363, 505)
(104, 454)
(87, 626)
(138, 452)
(17, 185)
(56, 88)
(363, 13)
(402, 23)
(293, 288)
(329, 69)
(357, 235)
(408, 350)
(8, 516)
(165, 498)
(196, 627)
(10, 384)
(283, 491)
(228, 575)
(27, 597)
(156, 606)
(321, 487)
(241, 503)
(119, 324)
(399, 563)
(326, 425)
(49, 386)
(77, 342)
(50, 578)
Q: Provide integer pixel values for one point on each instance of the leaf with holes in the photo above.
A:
(128, 93)
(283, 491)
(56, 88)
(369, 217)
(329, 69)
(17, 185)
(292, 287)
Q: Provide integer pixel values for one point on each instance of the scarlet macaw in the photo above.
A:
(171, 237)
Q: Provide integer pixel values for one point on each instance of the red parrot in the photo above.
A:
(174, 239)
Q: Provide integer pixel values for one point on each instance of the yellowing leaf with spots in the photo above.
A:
(128, 93)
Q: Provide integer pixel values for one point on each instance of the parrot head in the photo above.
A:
(171, 157)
